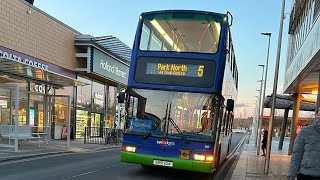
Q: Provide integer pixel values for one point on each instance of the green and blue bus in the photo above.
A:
(182, 88)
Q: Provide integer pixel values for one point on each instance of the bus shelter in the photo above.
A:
(290, 102)
(17, 118)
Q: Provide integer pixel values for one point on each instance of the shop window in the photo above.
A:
(84, 98)
(82, 122)
(98, 96)
(111, 108)
(22, 106)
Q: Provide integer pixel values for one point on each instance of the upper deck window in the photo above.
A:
(181, 32)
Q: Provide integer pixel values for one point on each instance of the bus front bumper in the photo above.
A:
(183, 164)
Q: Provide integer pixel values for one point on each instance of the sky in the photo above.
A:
(250, 18)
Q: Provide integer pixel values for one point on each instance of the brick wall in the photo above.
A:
(36, 34)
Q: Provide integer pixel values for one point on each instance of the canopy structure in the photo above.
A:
(287, 102)
(16, 68)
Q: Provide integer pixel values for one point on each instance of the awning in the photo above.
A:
(19, 69)
(287, 102)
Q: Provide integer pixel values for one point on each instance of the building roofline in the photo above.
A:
(49, 16)
(88, 40)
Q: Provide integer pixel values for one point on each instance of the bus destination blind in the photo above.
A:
(189, 70)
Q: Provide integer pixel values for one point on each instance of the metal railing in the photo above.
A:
(99, 135)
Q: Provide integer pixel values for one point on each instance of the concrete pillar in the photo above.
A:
(283, 128)
(294, 121)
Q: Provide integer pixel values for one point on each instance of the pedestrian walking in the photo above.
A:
(264, 142)
(305, 160)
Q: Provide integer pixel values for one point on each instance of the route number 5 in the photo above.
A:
(200, 70)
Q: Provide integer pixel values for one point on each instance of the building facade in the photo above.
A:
(50, 61)
(303, 58)
(302, 66)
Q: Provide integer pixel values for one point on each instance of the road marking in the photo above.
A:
(230, 159)
(236, 148)
(90, 172)
(32, 159)
(105, 150)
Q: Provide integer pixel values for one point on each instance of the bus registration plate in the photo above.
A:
(163, 163)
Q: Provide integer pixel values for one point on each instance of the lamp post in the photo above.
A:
(254, 119)
(259, 107)
(264, 92)
(274, 94)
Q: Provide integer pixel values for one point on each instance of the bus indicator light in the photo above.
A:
(128, 148)
(209, 158)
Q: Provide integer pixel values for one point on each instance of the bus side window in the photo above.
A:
(155, 43)
(145, 38)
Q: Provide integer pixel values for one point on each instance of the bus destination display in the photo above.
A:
(190, 70)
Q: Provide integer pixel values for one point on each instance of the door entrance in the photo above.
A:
(37, 113)
(96, 120)
(59, 113)
(96, 125)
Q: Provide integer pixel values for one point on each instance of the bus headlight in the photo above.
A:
(128, 148)
(201, 157)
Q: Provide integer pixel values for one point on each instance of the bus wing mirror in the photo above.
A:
(230, 104)
(231, 18)
(121, 97)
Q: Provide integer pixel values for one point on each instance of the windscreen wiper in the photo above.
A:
(164, 119)
(169, 119)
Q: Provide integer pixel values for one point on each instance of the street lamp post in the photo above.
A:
(264, 93)
(258, 113)
(253, 126)
(274, 94)
(260, 98)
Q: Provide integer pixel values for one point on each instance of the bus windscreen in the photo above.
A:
(181, 32)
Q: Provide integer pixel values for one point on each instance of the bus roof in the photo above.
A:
(182, 11)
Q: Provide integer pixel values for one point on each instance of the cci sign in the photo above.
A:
(109, 67)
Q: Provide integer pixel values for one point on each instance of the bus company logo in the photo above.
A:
(165, 142)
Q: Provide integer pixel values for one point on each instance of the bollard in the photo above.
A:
(85, 135)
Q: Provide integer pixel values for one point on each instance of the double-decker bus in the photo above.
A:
(183, 81)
